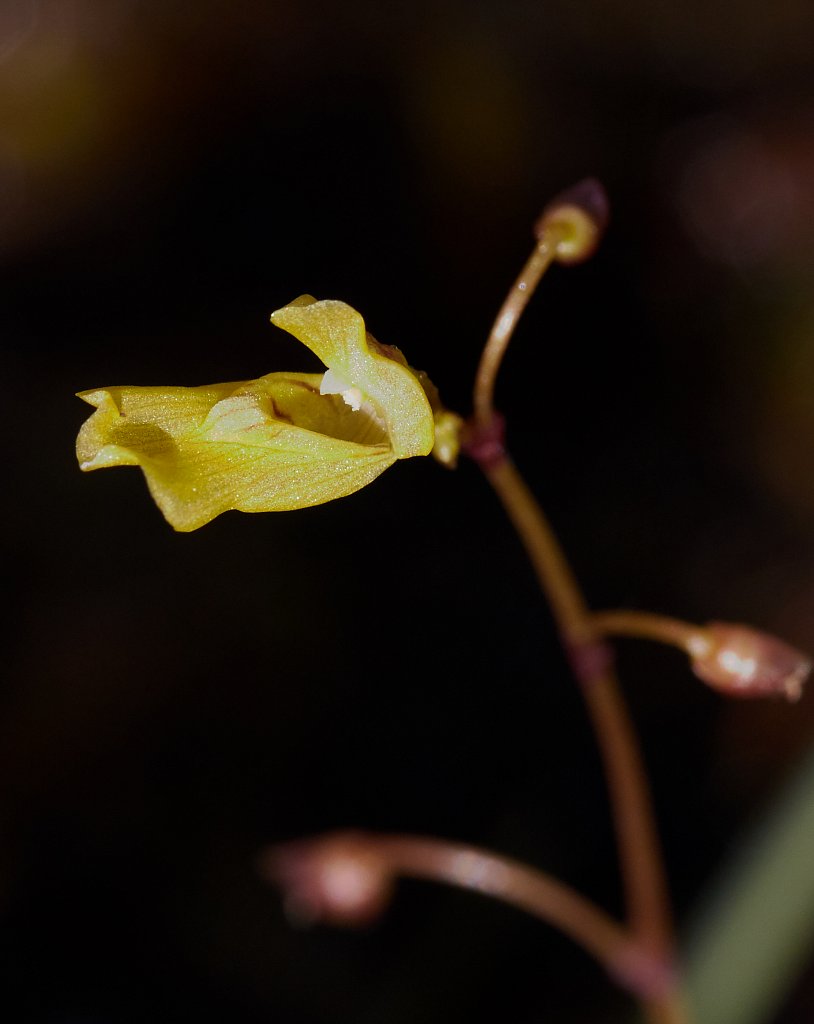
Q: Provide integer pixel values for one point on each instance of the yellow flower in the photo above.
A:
(285, 441)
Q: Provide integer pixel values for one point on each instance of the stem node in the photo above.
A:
(484, 441)
(589, 660)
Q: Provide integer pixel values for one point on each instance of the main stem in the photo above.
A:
(641, 862)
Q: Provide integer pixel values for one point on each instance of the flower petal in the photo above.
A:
(336, 334)
(272, 444)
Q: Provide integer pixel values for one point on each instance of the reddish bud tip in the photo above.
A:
(578, 218)
(743, 662)
(337, 879)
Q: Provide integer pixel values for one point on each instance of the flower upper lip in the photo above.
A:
(336, 334)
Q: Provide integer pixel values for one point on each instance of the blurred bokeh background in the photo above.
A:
(171, 172)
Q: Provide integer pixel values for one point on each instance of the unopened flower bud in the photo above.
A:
(336, 879)
(577, 218)
(743, 662)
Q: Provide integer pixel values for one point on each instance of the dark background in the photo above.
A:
(171, 172)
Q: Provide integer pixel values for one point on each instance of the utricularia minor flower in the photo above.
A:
(284, 441)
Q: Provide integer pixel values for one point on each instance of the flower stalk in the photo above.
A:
(348, 877)
(640, 857)
(568, 231)
(736, 660)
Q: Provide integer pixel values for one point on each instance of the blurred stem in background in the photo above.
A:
(754, 931)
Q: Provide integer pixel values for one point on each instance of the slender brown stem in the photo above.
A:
(691, 639)
(640, 856)
(578, 215)
(521, 291)
(531, 890)
(347, 878)
(641, 862)
(553, 572)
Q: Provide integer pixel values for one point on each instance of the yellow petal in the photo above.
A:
(258, 446)
(336, 334)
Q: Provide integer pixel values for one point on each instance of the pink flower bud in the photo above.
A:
(337, 879)
(743, 662)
